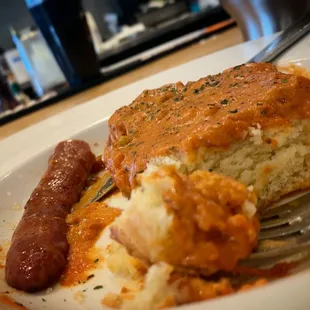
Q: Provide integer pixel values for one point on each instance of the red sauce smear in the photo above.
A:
(6, 300)
(85, 227)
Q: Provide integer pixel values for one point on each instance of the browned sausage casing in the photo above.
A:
(39, 247)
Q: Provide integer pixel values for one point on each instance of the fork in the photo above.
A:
(285, 232)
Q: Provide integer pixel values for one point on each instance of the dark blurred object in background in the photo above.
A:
(258, 18)
(129, 9)
(7, 100)
(65, 29)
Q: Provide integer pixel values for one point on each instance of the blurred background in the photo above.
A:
(54, 49)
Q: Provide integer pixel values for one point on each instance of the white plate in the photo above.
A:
(23, 159)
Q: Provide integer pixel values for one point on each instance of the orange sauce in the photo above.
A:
(213, 112)
(209, 229)
(85, 227)
(6, 300)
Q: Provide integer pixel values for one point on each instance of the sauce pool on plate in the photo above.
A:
(85, 227)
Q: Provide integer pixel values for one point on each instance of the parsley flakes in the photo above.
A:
(233, 111)
(90, 276)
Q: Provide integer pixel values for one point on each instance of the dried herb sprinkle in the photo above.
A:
(233, 111)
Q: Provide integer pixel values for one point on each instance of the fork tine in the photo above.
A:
(291, 198)
(279, 211)
(284, 248)
(297, 227)
(278, 252)
(287, 206)
(285, 231)
(297, 216)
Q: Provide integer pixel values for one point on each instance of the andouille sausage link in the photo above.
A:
(39, 248)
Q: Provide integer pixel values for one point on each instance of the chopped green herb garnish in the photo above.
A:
(98, 287)
(173, 90)
(177, 99)
(233, 85)
(96, 260)
(90, 276)
(124, 140)
(19, 304)
(196, 91)
(284, 80)
(233, 111)
(184, 89)
(224, 101)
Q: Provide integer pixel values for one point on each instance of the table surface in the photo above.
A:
(216, 42)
